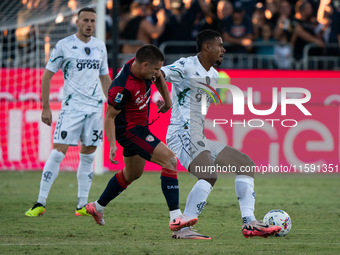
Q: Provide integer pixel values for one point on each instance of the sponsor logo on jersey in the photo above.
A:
(63, 134)
(74, 47)
(118, 98)
(200, 143)
(150, 138)
(138, 100)
(88, 64)
(87, 50)
(143, 99)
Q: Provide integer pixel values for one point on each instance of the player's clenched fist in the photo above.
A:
(113, 151)
(46, 116)
(162, 107)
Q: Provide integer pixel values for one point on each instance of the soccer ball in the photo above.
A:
(279, 218)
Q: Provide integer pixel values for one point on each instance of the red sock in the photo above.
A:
(169, 173)
(121, 180)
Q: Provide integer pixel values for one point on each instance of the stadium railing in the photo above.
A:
(328, 61)
(231, 60)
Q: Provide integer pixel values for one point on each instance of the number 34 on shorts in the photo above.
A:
(73, 126)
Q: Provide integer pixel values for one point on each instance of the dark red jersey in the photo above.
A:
(130, 95)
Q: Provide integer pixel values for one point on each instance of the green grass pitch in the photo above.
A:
(137, 220)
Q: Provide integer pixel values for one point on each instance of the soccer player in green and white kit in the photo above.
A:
(191, 77)
(83, 59)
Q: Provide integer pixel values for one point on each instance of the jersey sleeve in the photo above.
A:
(176, 72)
(118, 96)
(56, 59)
(104, 69)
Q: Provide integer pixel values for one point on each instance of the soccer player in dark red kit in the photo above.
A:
(126, 122)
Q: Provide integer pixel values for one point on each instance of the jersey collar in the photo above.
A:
(199, 63)
(75, 35)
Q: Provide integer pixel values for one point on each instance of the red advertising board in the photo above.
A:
(25, 142)
(275, 140)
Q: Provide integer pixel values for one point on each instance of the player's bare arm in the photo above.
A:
(46, 115)
(321, 12)
(110, 131)
(163, 90)
(154, 31)
(300, 32)
(105, 80)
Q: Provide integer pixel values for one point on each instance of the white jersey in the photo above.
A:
(189, 80)
(81, 63)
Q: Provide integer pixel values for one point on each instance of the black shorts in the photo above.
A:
(137, 141)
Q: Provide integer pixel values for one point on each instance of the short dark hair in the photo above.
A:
(303, 6)
(204, 36)
(86, 9)
(149, 53)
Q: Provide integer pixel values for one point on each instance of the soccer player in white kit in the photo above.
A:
(82, 59)
(190, 78)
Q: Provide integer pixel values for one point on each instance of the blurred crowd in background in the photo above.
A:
(264, 27)
(240, 23)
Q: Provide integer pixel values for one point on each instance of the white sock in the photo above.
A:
(196, 199)
(244, 188)
(99, 207)
(42, 200)
(49, 174)
(82, 201)
(174, 214)
(84, 177)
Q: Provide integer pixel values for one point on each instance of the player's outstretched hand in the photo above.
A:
(161, 17)
(113, 151)
(162, 107)
(46, 116)
(158, 74)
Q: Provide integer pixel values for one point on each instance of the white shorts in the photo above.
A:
(73, 126)
(188, 146)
